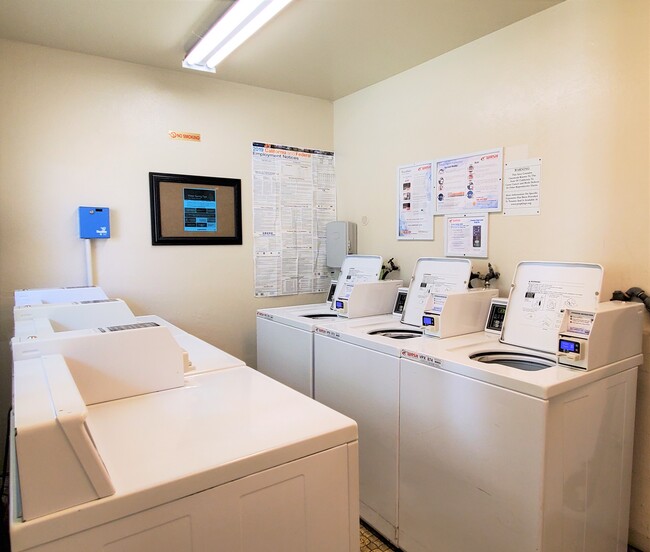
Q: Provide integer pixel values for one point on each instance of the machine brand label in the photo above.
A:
(265, 315)
(328, 333)
(421, 357)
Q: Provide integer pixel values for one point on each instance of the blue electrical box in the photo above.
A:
(94, 222)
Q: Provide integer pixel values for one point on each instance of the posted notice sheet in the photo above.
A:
(414, 202)
(521, 187)
(466, 236)
(470, 183)
(294, 197)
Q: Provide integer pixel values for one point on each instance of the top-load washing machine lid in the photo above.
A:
(433, 275)
(356, 269)
(539, 294)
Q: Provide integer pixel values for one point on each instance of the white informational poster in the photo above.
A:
(469, 184)
(415, 202)
(294, 197)
(466, 236)
(521, 187)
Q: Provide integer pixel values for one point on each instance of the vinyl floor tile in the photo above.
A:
(371, 542)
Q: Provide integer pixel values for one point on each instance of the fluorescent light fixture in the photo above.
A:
(239, 23)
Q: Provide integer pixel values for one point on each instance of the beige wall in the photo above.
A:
(569, 85)
(80, 130)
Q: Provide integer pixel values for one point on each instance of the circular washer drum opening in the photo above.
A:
(397, 334)
(320, 316)
(521, 361)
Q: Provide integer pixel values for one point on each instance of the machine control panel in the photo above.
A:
(589, 339)
(496, 315)
(457, 313)
(400, 301)
(367, 299)
(570, 348)
(330, 293)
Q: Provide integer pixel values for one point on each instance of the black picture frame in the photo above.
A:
(195, 210)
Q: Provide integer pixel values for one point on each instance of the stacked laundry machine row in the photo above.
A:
(129, 434)
(488, 423)
(285, 335)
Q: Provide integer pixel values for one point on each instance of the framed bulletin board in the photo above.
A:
(195, 210)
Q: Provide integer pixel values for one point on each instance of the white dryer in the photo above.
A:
(227, 459)
(501, 447)
(356, 372)
(285, 335)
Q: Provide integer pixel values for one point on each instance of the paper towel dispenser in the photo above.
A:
(341, 239)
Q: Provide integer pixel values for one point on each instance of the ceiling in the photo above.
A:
(321, 48)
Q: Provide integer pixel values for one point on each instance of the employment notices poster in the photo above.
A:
(294, 197)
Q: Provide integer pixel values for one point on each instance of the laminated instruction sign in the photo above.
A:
(200, 210)
(466, 236)
(414, 201)
(294, 197)
(470, 183)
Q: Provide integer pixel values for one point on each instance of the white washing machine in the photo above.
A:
(356, 372)
(502, 448)
(285, 335)
(228, 459)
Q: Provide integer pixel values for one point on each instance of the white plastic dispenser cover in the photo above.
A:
(540, 293)
(457, 312)
(433, 275)
(58, 464)
(608, 334)
(356, 269)
(369, 299)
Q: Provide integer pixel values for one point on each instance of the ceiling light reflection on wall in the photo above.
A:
(242, 20)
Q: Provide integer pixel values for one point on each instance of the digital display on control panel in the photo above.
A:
(339, 304)
(567, 346)
(428, 321)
